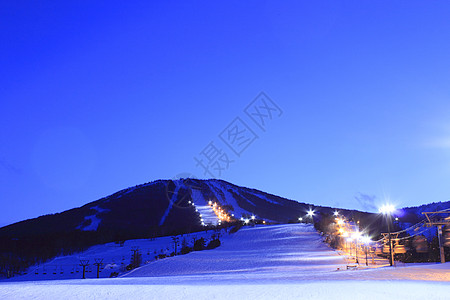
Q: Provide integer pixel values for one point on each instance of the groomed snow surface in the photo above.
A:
(268, 262)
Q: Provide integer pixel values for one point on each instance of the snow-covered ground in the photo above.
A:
(268, 262)
(207, 214)
(115, 258)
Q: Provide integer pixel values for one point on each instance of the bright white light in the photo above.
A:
(336, 213)
(209, 202)
(366, 240)
(387, 209)
(253, 217)
(356, 235)
(310, 213)
(232, 215)
(246, 221)
(189, 201)
(300, 219)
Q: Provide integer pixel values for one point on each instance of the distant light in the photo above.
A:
(232, 215)
(396, 219)
(246, 221)
(340, 221)
(189, 201)
(264, 222)
(341, 230)
(210, 202)
(336, 213)
(310, 213)
(253, 217)
(300, 219)
(387, 209)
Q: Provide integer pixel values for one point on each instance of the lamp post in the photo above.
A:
(357, 236)
(387, 210)
(366, 241)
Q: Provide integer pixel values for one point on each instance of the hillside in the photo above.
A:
(287, 261)
(159, 208)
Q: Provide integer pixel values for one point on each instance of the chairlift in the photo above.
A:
(399, 249)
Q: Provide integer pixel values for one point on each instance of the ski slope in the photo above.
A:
(266, 262)
(115, 258)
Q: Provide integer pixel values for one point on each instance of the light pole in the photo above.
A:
(387, 210)
(366, 241)
(357, 236)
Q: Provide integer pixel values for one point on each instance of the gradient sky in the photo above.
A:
(97, 97)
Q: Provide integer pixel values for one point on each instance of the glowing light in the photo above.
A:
(336, 213)
(356, 235)
(300, 219)
(246, 221)
(341, 230)
(310, 213)
(253, 217)
(210, 202)
(366, 240)
(340, 222)
(387, 209)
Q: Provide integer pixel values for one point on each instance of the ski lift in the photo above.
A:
(386, 249)
(378, 251)
(446, 234)
(399, 249)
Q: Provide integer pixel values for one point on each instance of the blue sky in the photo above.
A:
(99, 97)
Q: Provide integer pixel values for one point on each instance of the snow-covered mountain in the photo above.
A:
(159, 208)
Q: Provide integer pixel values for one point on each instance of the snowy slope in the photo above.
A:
(268, 262)
(115, 258)
(260, 250)
(207, 214)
